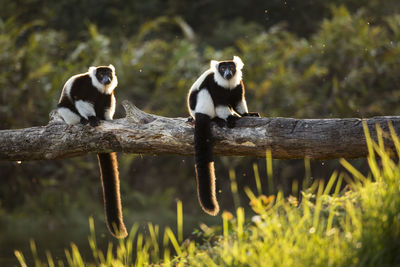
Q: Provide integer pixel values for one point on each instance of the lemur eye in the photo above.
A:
(223, 68)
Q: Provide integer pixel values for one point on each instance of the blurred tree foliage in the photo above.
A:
(307, 59)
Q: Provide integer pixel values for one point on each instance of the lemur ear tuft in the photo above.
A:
(238, 62)
(92, 69)
(213, 64)
(111, 67)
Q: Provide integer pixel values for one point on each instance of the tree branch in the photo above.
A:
(140, 132)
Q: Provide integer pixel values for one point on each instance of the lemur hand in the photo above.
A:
(231, 121)
(251, 114)
(94, 121)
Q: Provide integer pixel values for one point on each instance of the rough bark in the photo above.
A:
(140, 132)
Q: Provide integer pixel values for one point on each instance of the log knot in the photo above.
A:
(135, 115)
(55, 118)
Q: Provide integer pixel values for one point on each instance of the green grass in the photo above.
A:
(357, 226)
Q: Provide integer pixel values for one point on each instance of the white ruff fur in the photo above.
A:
(85, 109)
(105, 89)
(204, 105)
(235, 80)
(69, 116)
(238, 61)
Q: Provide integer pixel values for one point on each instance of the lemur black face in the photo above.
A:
(104, 75)
(227, 69)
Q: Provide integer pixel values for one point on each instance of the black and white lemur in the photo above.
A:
(217, 95)
(89, 98)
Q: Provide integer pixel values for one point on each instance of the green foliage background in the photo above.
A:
(303, 59)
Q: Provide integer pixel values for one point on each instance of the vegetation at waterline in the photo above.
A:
(355, 226)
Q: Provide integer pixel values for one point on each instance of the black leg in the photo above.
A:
(94, 121)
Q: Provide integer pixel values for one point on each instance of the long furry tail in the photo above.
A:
(112, 200)
(205, 174)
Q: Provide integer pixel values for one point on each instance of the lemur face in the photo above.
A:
(227, 69)
(104, 75)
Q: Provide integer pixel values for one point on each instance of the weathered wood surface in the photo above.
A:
(140, 132)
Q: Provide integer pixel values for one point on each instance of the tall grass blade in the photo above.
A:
(257, 179)
(139, 242)
(379, 134)
(234, 188)
(331, 181)
(165, 246)
(129, 243)
(154, 240)
(69, 257)
(330, 220)
(368, 139)
(240, 222)
(34, 253)
(20, 258)
(92, 240)
(318, 204)
(307, 174)
(353, 217)
(338, 185)
(295, 187)
(270, 172)
(50, 260)
(371, 152)
(249, 193)
(395, 138)
(173, 240)
(356, 174)
(179, 214)
(109, 256)
(76, 256)
(225, 226)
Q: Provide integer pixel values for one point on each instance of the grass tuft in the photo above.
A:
(359, 226)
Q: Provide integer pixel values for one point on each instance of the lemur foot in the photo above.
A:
(231, 121)
(84, 121)
(220, 122)
(190, 120)
(94, 121)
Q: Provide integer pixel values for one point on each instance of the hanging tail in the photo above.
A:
(205, 174)
(112, 200)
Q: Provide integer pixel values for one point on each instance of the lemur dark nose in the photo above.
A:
(106, 80)
(227, 74)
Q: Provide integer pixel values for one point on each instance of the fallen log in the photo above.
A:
(140, 132)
